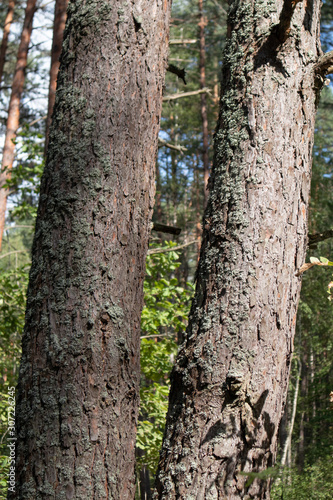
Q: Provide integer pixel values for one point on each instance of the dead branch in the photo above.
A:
(324, 65)
(317, 237)
(172, 249)
(181, 73)
(162, 142)
(163, 228)
(186, 94)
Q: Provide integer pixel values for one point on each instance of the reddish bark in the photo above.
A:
(58, 34)
(203, 100)
(14, 110)
(230, 378)
(78, 391)
(5, 35)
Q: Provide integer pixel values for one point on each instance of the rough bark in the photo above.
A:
(203, 99)
(5, 35)
(78, 387)
(59, 22)
(8, 154)
(230, 379)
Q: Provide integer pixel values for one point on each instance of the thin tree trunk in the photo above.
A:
(287, 444)
(300, 458)
(313, 397)
(198, 207)
(174, 170)
(14, 110)
(230, 380)
(203, 100)
(143, 479)
(78, 390)
(158, 193)
(58, 33)
(5, 35)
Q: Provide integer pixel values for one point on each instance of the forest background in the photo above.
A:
(190, 113)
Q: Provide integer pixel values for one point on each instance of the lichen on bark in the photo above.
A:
(78, 386)
(230, 378)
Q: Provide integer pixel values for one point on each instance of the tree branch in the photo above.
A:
(157, 335)
(162, 142)
(172, 249)
(317, 237)
(186, 94)
(324, 65)
(181, 73)
(182, 40)
(11, 253)
(18, 226)
(163, 228)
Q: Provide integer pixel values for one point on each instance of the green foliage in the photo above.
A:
(314, 483)
(165, 301)
(14, 268)
(270, 472)
(13, 287)
(163, 319)
(4, 471)
(26, 174)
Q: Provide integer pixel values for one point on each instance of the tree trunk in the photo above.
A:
(287, 444)
(198, 206)
(144, 489)
(5, 35)
(14, 110)
(158, 200)
(203, 100)
(58, 33)
(230, 379)
(78, 390)
(300, 458)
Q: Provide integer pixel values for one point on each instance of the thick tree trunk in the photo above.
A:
(5, 35)
(58, 33)
(14, 110)
(203, 99)
(78, 390)
(230, 379)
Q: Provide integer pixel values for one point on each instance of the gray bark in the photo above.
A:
(78, 389)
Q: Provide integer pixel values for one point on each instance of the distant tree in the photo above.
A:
(14, 110)
(78, 390)
(203, 98)
(59, 22)
(229, 383)
(5, 35)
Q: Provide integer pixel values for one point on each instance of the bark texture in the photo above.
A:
(8, 154)
(5, 35)
(78, 389)
(59, 22)
(230, 379)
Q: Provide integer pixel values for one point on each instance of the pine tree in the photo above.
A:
(14, 110)
(230, 379)
(78, 388)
